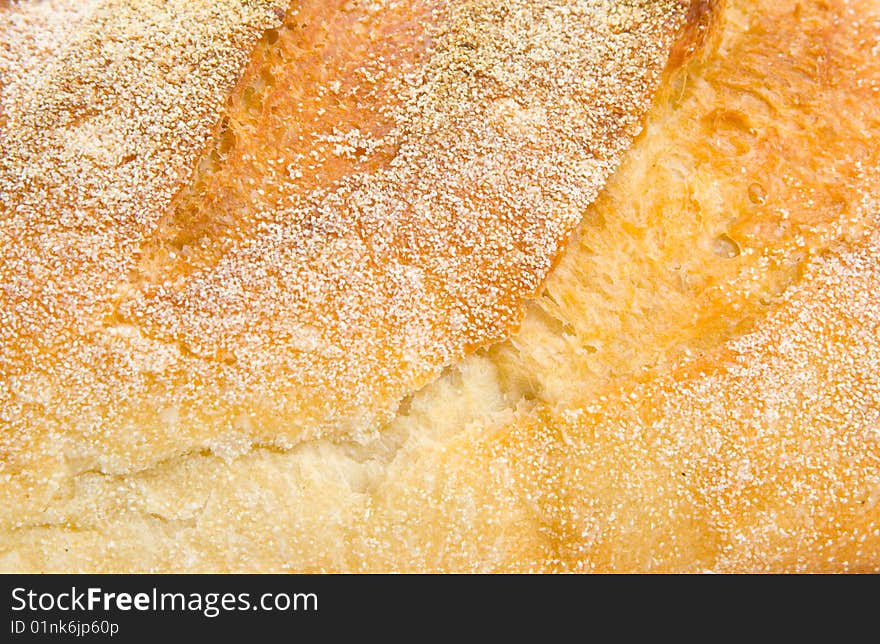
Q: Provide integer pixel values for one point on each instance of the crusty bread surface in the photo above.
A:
(695, 386)
(385, 186)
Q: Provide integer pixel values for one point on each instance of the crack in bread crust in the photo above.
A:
(721, 416)
(401, 179)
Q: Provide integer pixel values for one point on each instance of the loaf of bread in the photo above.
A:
(439, 285)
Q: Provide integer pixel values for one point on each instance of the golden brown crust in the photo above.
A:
(701, 24)
(695, 389)
(397, 179)
(106, 108)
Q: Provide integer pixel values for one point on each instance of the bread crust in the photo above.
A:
(695, 388)
(389, 183)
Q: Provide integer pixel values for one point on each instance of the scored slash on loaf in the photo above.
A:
(375, 198)
(695, 387)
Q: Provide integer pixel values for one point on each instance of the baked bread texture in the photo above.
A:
(275, 288)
